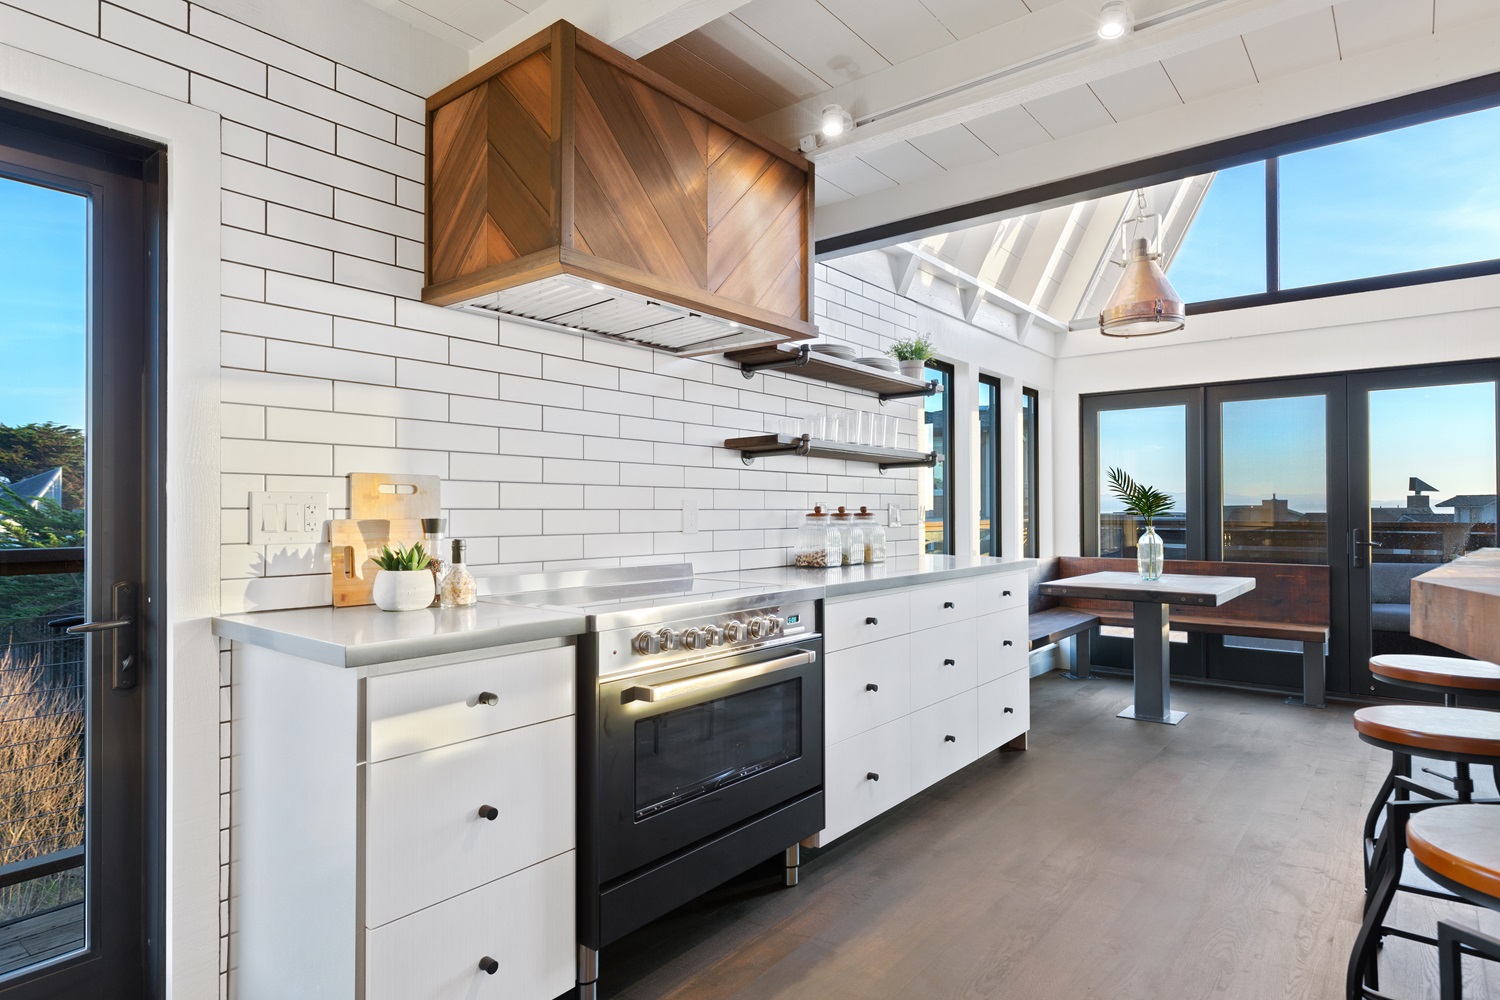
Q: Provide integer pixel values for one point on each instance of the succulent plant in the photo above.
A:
(401, 558)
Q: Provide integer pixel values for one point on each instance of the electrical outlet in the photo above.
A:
(689, 516)
(285, 518)
(894, 515)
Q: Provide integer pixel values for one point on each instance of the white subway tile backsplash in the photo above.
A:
(271, 253)
(460, 495)
(115, 62)
(411, 374)
(354, 458)
(448, 322)
(619, 497)
(378, 338)
(242, 141)
(330, 363)
(238, 420)
(541, 496)
(493, 358)
(497, 468)
(381, 155)
(258, 112)
(330, 427)
(277, 322)
(564, 470)
(609, 401)
(541, 443)
(320, 164)
(239, 351)
(320, 231)
(378, 215)
(322, 296)
(330, 104)
(534, 390)
(231, 34)
(265, 388)
(618, 450)
(441, 436)
(276, 456)
(242, 212)
(358, 397)
(410, 194)
(411, 135)
(541, 548)
(381, 94)
(579, 422)
(496, 412)
(361, 272)
(495, 522)
(242, 281)
(175, 46)
(275, 186)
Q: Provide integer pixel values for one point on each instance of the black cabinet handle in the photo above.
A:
(1004, 593)
(949, 663)
(1009, 710)
(487, 698)
(871, 776)
(872, 621)
(489, 812)
(947, 604)
(950, 739)
(872, 687)
(488, 966)
(1006, 642)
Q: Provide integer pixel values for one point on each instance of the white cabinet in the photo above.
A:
(918, 682)
(366, 864)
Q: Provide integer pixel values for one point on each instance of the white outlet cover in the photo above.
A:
(283, 518)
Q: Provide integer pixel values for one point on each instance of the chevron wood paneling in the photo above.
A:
(574, 150)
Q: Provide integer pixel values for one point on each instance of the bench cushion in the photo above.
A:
(1294, 631)
(1056, 624)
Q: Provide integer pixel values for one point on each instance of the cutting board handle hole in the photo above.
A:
(402, 489)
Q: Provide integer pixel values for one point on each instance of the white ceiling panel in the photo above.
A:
(969, 17)
(952, 147)
(1009, 130)
(1136, 92)
(855, 176)
(897, 30)
(1069, 112)
(1374, 24)
(1456, 13)
(731, 35)
(810, 34)
(484, 18)
(901, 162)
(826, 193)
(1292, 46)
(432, 25)
(1210, 70)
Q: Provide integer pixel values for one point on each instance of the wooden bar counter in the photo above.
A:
(1458, 605)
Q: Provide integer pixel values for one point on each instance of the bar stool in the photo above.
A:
(1449, 676)
(1460, 735)
(1459, 849)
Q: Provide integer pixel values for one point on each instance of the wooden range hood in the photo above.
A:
(566, 183)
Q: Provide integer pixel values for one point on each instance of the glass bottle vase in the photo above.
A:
(1150, 554)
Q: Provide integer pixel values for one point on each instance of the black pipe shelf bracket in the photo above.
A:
(934, 387)
(792, 359)
(751, 448)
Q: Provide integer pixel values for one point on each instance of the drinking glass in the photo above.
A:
(817, 426)
(876, 432)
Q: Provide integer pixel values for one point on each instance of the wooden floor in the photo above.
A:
(41, 936)
(1121, 860)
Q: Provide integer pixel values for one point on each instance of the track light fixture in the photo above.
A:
(1114, 20)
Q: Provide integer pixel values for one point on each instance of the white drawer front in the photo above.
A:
(425, 839)
(1004, 710)
(943, 663)
(865, 618)
(943, 604)
(999, 591)
(996, 658)
(944, 737)
(853, 795)
(865, 687)
(524, 922)
(421, 709)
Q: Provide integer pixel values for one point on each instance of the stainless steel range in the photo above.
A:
(701, 751)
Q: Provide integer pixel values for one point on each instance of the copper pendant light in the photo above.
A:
(1144, 302)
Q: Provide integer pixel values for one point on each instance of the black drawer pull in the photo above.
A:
(1006, 642)
(1009, 710)
(871, 776)
(949, 663)
(950, 739)
(872, 687)
(488, 966)
(947, 604)
(1004, 593)
(872, 621)
(487, 698)
(489, 812)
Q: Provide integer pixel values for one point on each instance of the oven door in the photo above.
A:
(688, 752)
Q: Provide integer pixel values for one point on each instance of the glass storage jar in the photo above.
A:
(874, 533)
(851, 539)
(817, 542)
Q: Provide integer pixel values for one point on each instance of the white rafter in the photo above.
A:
(635, 27)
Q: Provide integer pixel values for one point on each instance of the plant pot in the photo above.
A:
(403, 590)
(1150, 554)
(914, 369)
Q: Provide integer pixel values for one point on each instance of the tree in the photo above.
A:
(29, 449)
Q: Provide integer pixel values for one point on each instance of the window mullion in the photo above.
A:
(1273, 225)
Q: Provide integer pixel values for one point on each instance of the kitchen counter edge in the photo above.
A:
(893, 574)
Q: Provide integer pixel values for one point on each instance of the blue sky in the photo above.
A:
(43, 289)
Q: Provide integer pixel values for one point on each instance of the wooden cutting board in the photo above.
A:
(353, 542)
(393, 496)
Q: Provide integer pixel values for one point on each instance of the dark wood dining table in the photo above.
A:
(1152, 600)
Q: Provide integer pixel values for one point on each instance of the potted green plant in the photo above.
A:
(913, 354)
(1148, 504)
(404, 582)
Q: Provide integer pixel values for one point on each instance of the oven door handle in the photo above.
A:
(719, 678)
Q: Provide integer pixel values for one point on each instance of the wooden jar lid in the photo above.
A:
(1438, 671)
(1464, 731)
(1459, 843)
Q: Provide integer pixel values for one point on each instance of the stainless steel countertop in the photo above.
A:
(359, 637)
(902, 571)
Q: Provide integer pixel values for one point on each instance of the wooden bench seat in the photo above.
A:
(1056, 624)
(1292, 631)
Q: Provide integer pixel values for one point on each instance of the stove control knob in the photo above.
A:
(644, 644)
(734, 631)
(693, 639)
(777, 624)
(757, 628)
(668, 639)
(713, 635)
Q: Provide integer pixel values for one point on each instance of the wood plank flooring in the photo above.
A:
(40, 936)
(1129, 861)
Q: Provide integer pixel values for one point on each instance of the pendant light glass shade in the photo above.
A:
(1144, 302)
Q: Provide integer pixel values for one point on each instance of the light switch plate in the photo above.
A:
(281, 518)
(689, 516)
(894, 518)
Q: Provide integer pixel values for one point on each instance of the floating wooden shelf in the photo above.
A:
(800, 360)
(751, 448)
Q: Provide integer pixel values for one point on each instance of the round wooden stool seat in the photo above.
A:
(1460, 845)
(1437, 671)
(1432, 730)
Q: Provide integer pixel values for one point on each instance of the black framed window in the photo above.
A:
(936, 485)
(1031, 426)
(989, 465)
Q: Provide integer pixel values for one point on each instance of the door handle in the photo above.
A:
(89, 628)
(718, 678)
(1358, 546)
(118, 630)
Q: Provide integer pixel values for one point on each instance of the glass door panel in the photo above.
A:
(1150, 444)
(1274, 479)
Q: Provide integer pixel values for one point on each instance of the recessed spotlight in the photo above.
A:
(1114, 20)
(836, 121)
(734, 324)
(597, 287)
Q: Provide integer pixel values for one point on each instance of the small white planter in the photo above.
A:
(403, 590)
(914, 369)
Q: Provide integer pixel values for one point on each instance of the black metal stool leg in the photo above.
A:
(1453, 942)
